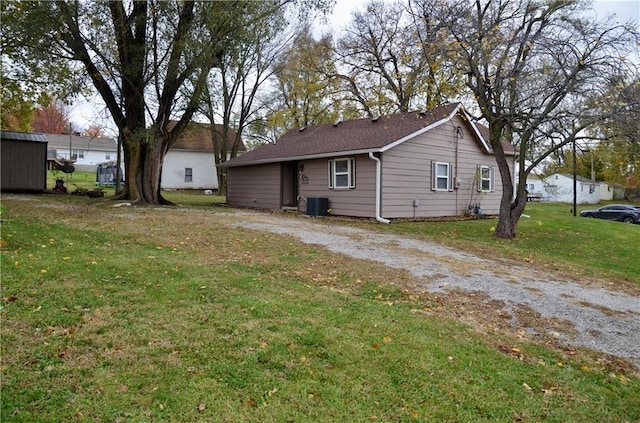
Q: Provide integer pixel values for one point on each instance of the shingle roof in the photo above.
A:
(197, 137)
(349, 137)
(62, 141)
(22, 136)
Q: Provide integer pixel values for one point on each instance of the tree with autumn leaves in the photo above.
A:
(148, 60)
(529, 69)
(533, 70)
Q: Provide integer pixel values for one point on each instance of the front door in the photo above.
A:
(289, 185)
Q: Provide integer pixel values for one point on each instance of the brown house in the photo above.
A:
(24, 161)
(409, 165)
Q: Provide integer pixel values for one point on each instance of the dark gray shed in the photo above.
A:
(24, 161)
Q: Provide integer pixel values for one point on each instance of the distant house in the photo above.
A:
(190, 162)
(409, 165)
(606, 192)
(84, 153)
(535, 188)
(24, 161)
(559, 188)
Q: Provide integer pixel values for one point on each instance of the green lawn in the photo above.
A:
(550, 238)
(139, 314)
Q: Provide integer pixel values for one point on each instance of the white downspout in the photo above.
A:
(378, 188)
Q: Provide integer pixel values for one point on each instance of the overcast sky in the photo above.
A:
(623, 9)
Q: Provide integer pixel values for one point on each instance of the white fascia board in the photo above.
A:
(484, 142)
(421, 131)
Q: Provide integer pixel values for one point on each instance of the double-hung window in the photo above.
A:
(486, 179)
(188, 174)
(441, 176)
(342, 173)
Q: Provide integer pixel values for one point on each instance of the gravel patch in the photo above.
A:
(603, 320)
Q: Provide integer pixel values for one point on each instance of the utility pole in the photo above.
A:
(70, 150)
(575, 178)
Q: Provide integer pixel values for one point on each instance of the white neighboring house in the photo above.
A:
(559, 188)
(190, 162)
(535, 188)
(85, 153)
(606, 192)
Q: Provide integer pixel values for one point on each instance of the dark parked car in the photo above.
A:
(619, 212)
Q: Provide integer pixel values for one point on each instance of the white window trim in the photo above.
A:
(435, 177)
(351, 173)
(491, 179)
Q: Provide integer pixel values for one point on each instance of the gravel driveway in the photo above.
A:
(603, 320)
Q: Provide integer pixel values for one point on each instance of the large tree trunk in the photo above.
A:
(144, 170)
(510, 209)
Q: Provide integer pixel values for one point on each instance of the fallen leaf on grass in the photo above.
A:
(202, 406)
(527, 387)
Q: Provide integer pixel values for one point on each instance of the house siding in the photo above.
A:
(357, 202)
(254, 186)
(560, 189)
(407, 175)
(202, 164)
(86, 153)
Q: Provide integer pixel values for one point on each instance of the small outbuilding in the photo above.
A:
(24, 161)
(430, 163)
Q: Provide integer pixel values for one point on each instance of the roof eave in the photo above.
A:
(303, 157)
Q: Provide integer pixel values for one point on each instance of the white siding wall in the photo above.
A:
(358, 201)
(606, 192)
(201, 163)
(407, 175)
(560, 189)
(254, 186)
(535, 186)
(91, 159)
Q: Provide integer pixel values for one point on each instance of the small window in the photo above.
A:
(342, 173)
(107, 156)
(441, 176)
(485, 179)
(188, 174)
